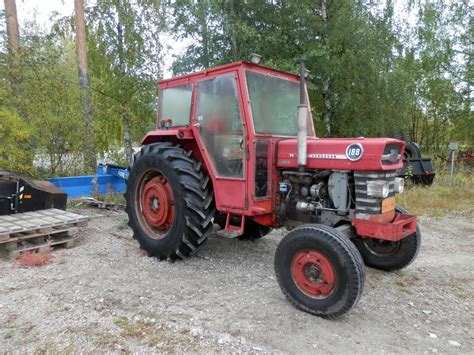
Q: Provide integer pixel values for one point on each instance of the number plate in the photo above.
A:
(388, 204)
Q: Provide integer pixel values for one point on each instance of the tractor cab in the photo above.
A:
(231, 117)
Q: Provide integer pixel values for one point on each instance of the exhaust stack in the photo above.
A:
(302, 119)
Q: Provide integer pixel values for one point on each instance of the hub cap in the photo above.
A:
(157, 204)
(313, 274)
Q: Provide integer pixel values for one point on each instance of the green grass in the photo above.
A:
(116, 198)
(148, 333)
(447, 195)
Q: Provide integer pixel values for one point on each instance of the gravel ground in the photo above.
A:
(105, 295)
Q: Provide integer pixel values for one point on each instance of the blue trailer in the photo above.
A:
(110, 179)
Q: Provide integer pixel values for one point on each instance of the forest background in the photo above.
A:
(373, 70)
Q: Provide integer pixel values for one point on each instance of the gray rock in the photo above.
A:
(454, 343)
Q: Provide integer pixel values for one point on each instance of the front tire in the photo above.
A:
(319, 270)
(169, 201)
(390, 256)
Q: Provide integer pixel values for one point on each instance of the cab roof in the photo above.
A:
(226, 68)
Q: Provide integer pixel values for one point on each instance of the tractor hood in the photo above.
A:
(373, 154)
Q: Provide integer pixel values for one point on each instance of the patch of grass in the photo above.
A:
(153, 336)
(156, 340)
(138, 329)
(406, 281)
(25, 340)
(35, 258)
(463, 294)
(46, 348)
(76, 203)
(68, 350)
(169, 343)
(149, 314)
(9, 334)
(446, 195)
(109, 341)
(401, 285)
(123, 224)
(115, 198)
(185, 331)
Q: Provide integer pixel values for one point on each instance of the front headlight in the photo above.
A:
(399, 185)
(377, 188)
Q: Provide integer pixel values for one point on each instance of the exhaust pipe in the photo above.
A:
(302, 119)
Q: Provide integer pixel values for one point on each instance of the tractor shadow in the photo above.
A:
(225, 250)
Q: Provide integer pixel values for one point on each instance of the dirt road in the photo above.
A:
(105, 295)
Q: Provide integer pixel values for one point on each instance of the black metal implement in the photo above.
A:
(20, 194)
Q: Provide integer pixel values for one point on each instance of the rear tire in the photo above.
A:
(389, 256)
(319, 270)
(169, 201)
(412, 151)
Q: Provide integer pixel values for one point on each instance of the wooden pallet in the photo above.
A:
(38, 230)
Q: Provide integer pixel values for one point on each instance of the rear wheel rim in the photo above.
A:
(313, 274)
(381, 247)
(156, 203)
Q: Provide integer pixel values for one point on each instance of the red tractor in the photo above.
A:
(236, 146)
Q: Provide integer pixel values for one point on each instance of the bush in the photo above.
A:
(15, 151)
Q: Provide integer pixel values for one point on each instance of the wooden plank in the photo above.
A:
(4, 233)
(14, 249)
(21, 236)
(53, 221)
(6, 219)
(38, 222)
(12, 228)
(65, 242)
(15, 237)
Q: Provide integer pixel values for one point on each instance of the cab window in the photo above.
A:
(175, 105)
(274, 103)
(220, 124)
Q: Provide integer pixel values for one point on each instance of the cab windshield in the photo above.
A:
(274, 103)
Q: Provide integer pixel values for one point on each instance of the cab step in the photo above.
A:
(228, 234)
(232, 230)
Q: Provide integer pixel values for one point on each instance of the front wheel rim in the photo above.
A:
(313, 274)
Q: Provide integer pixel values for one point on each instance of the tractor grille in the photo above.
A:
(369, 204)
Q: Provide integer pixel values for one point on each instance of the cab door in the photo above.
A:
(218, 117)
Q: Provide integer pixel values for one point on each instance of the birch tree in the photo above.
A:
(13, 31)
(81, 49)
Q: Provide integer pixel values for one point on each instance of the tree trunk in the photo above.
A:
(326, 107)
(202, 10)
(233, 37)
(127, 136)
(90, 158)
(326, 84)
(13, 31)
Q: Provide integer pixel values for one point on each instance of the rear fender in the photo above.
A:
(183, 136)
(167, 135)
